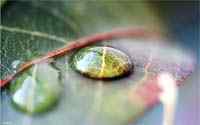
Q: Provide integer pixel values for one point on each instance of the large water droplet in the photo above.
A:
(102, 62)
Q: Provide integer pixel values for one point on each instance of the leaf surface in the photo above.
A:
(30, 29)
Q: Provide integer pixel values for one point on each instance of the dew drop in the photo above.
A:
(37, 89)
(15, 64)
(102, 62)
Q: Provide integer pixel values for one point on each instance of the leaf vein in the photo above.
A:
(33, 33)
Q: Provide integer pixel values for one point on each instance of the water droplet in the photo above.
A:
(102, 62)
(37, 89)
(15, 64)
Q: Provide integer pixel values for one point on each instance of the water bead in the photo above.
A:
(37, 89)
(102, 62)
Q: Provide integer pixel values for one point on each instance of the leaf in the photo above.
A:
(45, 26)
(30, 29)
(31, 33)
(37, 89)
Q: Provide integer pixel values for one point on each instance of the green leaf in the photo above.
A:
(32, 28)
(38, 27)
(37, 89)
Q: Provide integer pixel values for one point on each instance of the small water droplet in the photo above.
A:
(15, 64)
